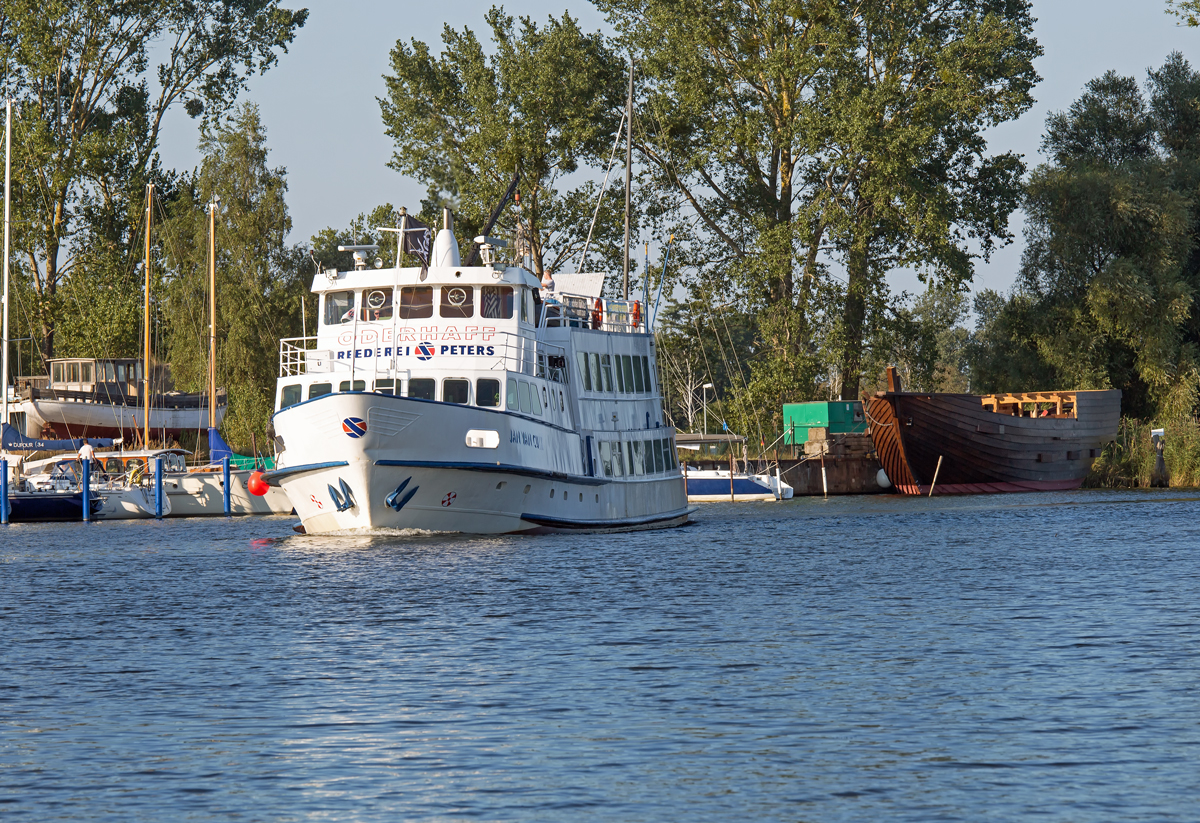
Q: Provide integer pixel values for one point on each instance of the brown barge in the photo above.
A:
(969, 444)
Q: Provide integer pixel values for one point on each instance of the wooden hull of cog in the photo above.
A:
(982, 451)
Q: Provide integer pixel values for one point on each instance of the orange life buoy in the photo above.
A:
(636, 315)
(597, 314)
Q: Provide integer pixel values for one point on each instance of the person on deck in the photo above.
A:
(86, 452)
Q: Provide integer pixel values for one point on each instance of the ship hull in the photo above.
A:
(70, 419)
(411, 468)
(952, 444)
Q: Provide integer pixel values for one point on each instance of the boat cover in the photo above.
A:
(13, 440)
(218, 449)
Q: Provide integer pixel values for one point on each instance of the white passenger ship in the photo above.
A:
(456, 399)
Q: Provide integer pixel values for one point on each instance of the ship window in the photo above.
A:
(56, 373)
(385, 386)
(487, 392)
(673, 458)
(523, 394)
(456, 391)
(620, 373)
(359, 385)
(376, 305)
(628, 458)
(134, 463)
(638, 379)
(606, 458)
(659, 465)
(422, 388)
(109, 372)
(605, 372)
(458, 301)
(416, 302)
(290, 396)
(512, 394)
(319, 390)
(585, 378)
(72, 372)
(594, 369)
(627, 362)
(86, 372)
(525, 301)
(646, 373)
(639, 457)
(496, 302)
(120, 374)
(339, 307)
(535, 404)
(618, 465)
(136, 368)
(113, 465)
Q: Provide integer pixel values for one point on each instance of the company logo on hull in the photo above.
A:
(426, 352)
(354, 427)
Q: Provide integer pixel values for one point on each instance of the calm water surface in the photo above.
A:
(983, 658)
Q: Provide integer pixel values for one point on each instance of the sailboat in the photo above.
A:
(116, 397)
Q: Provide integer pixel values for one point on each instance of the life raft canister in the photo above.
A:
(636, 314)
(597, 314)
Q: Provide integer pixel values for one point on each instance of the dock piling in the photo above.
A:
(86, 490)
(3, 492)
(158, 488)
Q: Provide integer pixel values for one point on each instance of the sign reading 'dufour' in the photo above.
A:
(378, 342)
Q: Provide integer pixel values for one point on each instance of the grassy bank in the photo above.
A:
(1128, 462)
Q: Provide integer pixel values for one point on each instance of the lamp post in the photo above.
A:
(704, 399)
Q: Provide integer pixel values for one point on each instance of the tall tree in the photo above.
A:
(546, 100)
(89, 122)
(260, 279)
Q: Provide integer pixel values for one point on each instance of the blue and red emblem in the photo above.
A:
(354, 426)
(426, 351)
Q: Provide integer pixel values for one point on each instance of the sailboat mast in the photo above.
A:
(7, 205)
(146, 323)
(212, 314)
(628, 168)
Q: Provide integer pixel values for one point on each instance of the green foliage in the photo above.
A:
(260, 279)
(1186, 10)
(546, 100)
(1105, 293)
(87, 125)
(1128, 462)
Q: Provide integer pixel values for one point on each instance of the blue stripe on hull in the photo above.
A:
(720, 485)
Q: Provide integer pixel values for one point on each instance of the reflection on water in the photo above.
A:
(845, 659)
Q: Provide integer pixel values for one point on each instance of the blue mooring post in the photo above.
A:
(158, 490)
(225, 484)
(3, 492)
(87, 490)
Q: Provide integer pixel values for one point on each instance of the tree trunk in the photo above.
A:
(858, 271)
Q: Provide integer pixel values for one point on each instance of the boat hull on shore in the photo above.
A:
(982, 451)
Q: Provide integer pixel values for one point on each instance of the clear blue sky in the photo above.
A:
(319, 103)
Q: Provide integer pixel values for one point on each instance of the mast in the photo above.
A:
(212, 313)
(7, 204)
(628, 167)
(146, 322)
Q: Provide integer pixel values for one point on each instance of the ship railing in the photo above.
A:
(583, 312)
(300, 355)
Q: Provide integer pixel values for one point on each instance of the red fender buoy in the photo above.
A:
(257, 486)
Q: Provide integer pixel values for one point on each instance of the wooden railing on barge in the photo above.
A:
(1014, 404)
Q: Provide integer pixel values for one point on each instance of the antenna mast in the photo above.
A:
(212, 312)
(7, 201)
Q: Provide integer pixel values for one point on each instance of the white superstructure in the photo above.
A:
(457, 399)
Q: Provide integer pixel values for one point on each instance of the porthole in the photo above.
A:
(597, 498)
(501, 485)
(526, 490)
(581, 497)
(552, 494)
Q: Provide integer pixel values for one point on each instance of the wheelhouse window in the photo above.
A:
(290, 396)
(496, 302)
(487, 392)
(646, 373)
(72, 372)
(56, 373)
(86, 372)
(385, 386)
(422, 388)
(357, 385)
(458, 301)
(455, 390)
(319, 390)
(376, 305)
(416, 302)
(339, 307)
(585, 377)
(523, 394)
(513, 404)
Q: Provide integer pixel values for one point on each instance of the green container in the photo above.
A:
(841, 417)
